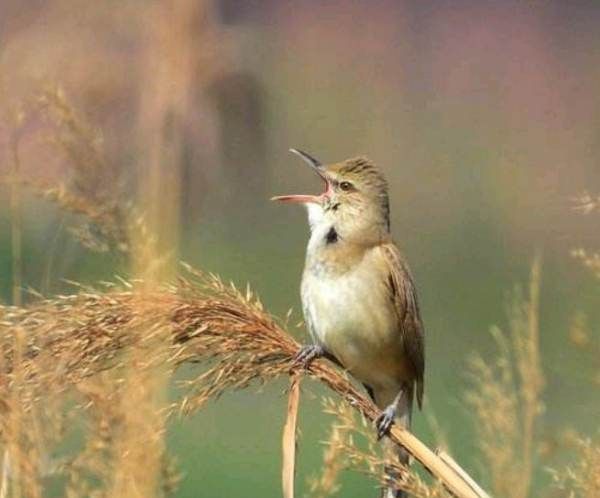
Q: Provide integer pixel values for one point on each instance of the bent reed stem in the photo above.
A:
(77, 336)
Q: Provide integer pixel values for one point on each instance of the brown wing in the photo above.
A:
(404, 295)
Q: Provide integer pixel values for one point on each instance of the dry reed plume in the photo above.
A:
(581, 477)
(352, 445)
(71, 339)
(506, 397)
(95, 188)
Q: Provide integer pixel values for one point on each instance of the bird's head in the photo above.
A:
(355, 201)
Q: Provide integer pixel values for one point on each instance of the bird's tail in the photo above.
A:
(395, 454)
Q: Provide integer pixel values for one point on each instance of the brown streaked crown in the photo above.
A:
(367, 177)
(361, 169)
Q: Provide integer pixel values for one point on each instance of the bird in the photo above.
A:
(359, 298)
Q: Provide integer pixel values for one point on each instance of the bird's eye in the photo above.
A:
(345, 186)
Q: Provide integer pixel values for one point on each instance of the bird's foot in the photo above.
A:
(385, 420)
(308, 354)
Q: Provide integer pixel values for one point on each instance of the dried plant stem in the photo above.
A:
(288, 466)
(14, 453)
(204, 322)
(16, 223)
(460, 471)
(506, 396)
(326, 484)
(530, 370)
(452, 480)
(4, 474)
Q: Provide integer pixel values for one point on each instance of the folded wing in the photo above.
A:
(404, 296)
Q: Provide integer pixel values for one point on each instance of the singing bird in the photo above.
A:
(358, 295)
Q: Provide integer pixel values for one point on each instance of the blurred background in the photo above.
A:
(485, 117)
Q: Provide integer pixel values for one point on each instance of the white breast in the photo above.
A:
(352, 316)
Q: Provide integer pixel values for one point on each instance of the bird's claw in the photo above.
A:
(307, 354)
(385, 420)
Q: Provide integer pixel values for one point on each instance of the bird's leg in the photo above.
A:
(308, 354)
(387, 416)
(311, 352)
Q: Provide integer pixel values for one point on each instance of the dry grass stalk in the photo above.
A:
(95, 193)
(4, 476)
(108, 402)
(96, 187)
(95, 190)
(588, 345)
(89, 472)
(506, 397)
(327, 483)
(591, 260)
(95, 470)
(352, 445)
(288, 465)
(16, 221)
(582, 479)
(88, 332)
(19, 441)
(587, 203)
(460, 471)
(139, 451)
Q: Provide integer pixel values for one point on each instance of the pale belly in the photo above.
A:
(353, 317)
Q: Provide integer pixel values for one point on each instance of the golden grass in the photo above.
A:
(77, 337)
(587, 203)
(506, 397)
(352, 445)
(582, 478)
(104, 356)
(105, 221)
(95, 189)
(288, 460)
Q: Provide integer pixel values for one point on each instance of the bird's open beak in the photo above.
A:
(302, 198)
